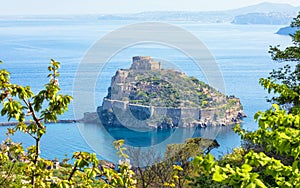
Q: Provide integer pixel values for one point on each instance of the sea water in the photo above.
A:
(241, 52)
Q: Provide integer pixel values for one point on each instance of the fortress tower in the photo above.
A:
(144, 63)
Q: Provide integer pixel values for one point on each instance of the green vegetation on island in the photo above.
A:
(169, 88)
(148, 91)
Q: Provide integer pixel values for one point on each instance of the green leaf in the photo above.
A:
(246, 168)
(218, 176)
(260, 184)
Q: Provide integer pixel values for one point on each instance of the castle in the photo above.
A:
(144, 63)
(117, 108)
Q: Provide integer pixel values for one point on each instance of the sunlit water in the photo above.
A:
(240, 51)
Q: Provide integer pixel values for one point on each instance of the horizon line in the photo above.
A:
(145, 11)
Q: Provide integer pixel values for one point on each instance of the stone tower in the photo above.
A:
(144, 63)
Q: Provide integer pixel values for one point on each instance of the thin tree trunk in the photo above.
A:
(37, 154)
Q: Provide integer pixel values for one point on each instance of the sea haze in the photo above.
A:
(240, 52)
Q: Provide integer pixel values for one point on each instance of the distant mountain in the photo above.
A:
(263, 18)
(271, 13)
(286, 30)
(268, 8)
(265, 13)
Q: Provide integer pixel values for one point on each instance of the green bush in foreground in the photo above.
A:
(25, 168)
(271, 157)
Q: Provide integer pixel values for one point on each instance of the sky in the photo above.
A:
(63, 7)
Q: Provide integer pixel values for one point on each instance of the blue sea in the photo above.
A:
(240, 51)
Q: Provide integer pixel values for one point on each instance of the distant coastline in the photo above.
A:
(28, 122)
(262, 13)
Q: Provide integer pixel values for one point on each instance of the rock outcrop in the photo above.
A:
(287, 30)
(147, 96)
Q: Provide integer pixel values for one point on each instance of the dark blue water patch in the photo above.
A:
(141, 138)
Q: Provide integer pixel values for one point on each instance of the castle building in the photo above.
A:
(144, 63)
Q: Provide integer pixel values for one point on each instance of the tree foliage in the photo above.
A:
(19, 102)
(285, 81)
(272, 156)
(152, 170)
(25, 168)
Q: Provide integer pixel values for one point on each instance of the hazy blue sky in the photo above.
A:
(21, 7)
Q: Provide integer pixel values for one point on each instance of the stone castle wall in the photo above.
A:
(144, 112)
(110, 104)
(207, 112)
(140, 112)
(191, 113)
(181, 117)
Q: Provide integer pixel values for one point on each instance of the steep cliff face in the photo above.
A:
(148, 96)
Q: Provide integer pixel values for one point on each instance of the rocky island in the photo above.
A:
(147, 96)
